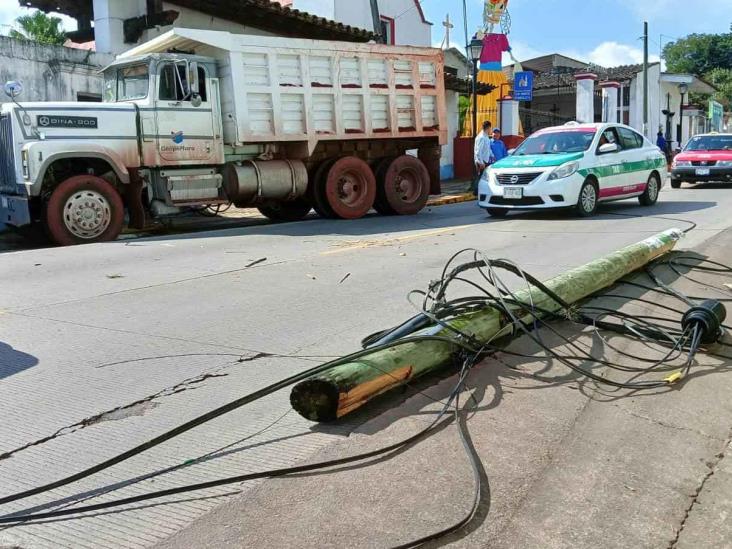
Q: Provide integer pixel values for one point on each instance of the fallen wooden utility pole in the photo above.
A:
(345, 388)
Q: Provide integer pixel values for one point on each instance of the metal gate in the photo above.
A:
(533, 120)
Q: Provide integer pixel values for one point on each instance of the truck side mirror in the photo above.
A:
(13, 89)
(194, 84)
(193, 78)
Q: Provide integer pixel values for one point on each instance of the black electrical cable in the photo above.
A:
(439, 312)
(238, 403)
(18, 518)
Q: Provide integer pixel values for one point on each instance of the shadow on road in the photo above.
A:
(13, 361)
(442, 217)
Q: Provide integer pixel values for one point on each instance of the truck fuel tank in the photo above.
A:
(255, 181)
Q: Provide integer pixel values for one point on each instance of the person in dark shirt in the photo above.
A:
(662, 144)
(498, 147)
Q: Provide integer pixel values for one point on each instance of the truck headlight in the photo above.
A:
(724, 163)
(565, 170)
(681, 164)
(24, 161)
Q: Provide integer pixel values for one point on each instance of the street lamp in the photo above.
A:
(475, 48)
(683, 90)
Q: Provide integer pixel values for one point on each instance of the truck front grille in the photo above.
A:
(7, 161)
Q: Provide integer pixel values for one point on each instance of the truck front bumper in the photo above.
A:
(14, 210)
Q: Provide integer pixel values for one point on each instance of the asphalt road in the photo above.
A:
(105, 346)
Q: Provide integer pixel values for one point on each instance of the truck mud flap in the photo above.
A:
(14, 210)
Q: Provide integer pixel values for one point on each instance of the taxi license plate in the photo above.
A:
(703, 171)
(513, 193)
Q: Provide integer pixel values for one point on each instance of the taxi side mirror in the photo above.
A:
(608, 148)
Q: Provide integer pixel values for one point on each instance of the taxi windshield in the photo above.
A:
(710, 143)
(557, 142)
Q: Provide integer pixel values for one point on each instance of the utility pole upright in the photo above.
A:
(645, 79)
(376, 16)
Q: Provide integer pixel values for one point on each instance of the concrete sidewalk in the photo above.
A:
(569, 464)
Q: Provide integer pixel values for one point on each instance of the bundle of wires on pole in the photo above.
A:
(503, 300)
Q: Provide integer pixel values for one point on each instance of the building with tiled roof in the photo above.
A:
(118, 26)
(556, 90)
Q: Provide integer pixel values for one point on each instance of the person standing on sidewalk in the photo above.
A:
(498, 147)
(483, 154)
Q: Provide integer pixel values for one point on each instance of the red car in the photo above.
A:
(706, 157)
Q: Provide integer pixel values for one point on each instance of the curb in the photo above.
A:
(451, 199)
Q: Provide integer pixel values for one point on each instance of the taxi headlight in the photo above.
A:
(681, 163)
(724, 163)
(565, 170)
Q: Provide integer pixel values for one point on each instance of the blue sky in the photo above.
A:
(602, 31)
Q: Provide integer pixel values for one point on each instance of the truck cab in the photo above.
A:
(179, 108)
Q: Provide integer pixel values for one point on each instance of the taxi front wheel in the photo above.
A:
(587, 201)
(653, 188)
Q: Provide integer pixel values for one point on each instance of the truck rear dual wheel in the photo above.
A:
(83, 209)
(402, 185)
(344, 188)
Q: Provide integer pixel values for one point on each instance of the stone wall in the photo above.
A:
(50, 73)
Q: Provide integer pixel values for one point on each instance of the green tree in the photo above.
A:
(699, 53)
(705, 55)
(463, 106)
(39, 27)
(722, 79)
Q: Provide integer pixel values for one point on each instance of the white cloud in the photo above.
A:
(10, 11)
(613, 54)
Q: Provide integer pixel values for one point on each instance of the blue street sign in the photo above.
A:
(523, 86)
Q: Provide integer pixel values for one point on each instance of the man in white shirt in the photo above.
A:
(483, 153)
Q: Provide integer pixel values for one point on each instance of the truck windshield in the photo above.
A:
(710, 143)
(126, 83)
(555, 142)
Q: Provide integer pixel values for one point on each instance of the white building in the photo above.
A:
(563, 91)
(402, 22)
(119, 25)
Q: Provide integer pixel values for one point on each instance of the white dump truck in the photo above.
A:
(196, 118)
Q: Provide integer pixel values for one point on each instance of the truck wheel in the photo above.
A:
(349, 188)
(380, 203)
(316, 190)
(405, 185)
(295, 210)
(83, 209)
(650, 195)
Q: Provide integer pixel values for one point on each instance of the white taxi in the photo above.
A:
(574, 166)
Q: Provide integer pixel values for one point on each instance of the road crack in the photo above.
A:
(713, 465)
(136, 408)
(665, 424)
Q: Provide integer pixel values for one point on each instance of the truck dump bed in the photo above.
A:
(280, 89)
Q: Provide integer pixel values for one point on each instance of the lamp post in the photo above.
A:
(683, 89)
(475, 48)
